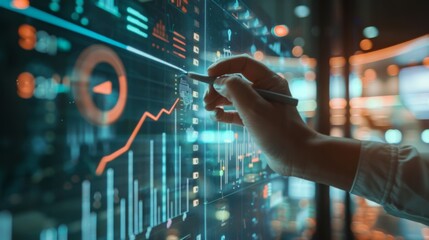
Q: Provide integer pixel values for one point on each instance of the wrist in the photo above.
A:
(331, 160)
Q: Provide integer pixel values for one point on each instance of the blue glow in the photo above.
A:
(63, 44)
(299, 41)
(355, 86)
(393, 136)
(337, 87)
(143, 54)
(6, 225)
(300, 188)
(370, 32)
(414, 90)
(62, 232)
(79, 9)
(307, 106)
(191, 135)
(54, 6)
(336, 194)
(302, 11)
(137, 31)
(110, 204)
(109, 7)
(236, 5)
(137, 22)
(75, 16)
(84, 21)
(303, 89)
(213, 136)
(425, 136)
(51, 19)
(164, 177)
(137, 14)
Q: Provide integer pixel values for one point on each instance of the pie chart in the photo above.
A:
(87, 85)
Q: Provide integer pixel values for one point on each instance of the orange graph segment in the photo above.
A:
(108, 158)
(104, 88)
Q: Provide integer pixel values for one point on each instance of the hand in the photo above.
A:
(276, 127)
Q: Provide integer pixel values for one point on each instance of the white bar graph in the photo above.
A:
(109, 6)
(136, 207)
(86, 210)
(164, 177)
(165, 201)
(152, 199)
(130, 195)
(93, 226)
(5, 225)
(123, 219)
(176, 173)
(140, 216)
(180, 179)
(62, 232)
(168, 201)
(110, 205)
(187, 194)
(155, 207)
(49, 234)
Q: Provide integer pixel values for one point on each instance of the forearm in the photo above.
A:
(330, 160)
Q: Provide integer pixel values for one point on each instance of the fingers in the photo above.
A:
(227, 117)
(220, 102)
(240, 93)
(244, 64)
(213, 99)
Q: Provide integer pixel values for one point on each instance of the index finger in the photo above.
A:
(244, 64)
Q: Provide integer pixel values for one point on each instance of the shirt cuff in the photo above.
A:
(374, 175)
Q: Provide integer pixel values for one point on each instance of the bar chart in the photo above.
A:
(109, 6)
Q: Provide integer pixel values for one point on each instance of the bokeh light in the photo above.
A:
(297, 51)
(393, 70)
(393, 136)
(370, 75)
(20, 4)
(25, 84)
(28, 37)
(258, 55)
(299, 41)
(370, 32)
(302, 11)
(280, 30)
(365, 44)
(425, 136)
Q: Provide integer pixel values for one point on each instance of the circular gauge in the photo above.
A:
(85, 87)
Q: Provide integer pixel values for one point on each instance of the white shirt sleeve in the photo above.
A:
(395, 177)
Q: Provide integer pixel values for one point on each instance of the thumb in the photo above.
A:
(239, 91)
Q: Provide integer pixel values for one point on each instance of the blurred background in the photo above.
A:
(370, 79)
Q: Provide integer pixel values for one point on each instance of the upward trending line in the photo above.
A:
(108, 158)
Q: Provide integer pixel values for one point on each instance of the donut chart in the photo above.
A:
(83, 92)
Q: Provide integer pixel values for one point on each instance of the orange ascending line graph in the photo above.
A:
(108, 158)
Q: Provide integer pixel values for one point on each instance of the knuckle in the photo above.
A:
(245, 57)
(233, 83)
